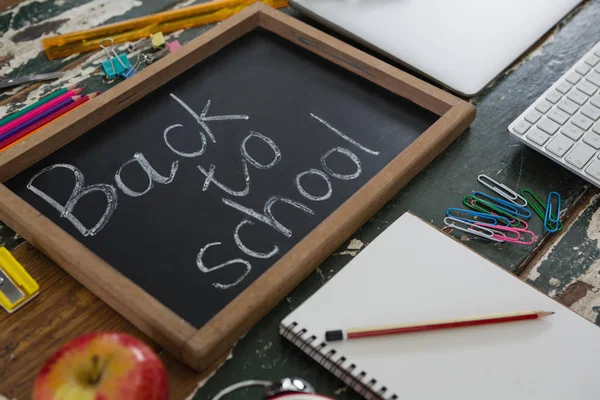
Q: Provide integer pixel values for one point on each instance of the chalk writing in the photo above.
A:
(248, 251)
(153, 176)
(272, 145)
(315, 172)
(211, 178)
(205, 269)
(79, 190)
(347, 153)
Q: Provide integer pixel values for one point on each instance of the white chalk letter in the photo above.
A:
(248, 251)
(79, 190)
(181, 153)
(272, 145)
(205, 269)
(348, 154)
(322, 175)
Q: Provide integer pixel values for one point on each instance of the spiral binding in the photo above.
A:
(334, 363)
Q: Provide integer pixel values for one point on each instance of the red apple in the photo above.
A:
(103, 366)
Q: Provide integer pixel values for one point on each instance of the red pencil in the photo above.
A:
(37, 111)
(340, 334)
(46, 120)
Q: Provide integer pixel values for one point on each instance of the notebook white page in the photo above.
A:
(412, 272)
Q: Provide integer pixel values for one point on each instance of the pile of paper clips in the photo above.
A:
(504, 219)
(118, 65)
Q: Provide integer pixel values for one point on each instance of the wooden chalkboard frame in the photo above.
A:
(199, 348)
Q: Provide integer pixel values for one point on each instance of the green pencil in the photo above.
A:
(38, 103)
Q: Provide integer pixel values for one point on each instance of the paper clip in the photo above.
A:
(500, 231)
(480, 231)
(551, 218)
(537, 206)
(509, 207)
(122, 67)
(474, 217)
(517, 231)
(502, 190)
(488, 208)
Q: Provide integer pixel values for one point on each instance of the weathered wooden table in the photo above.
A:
(564, 265)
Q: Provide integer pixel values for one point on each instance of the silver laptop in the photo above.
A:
(462, 44)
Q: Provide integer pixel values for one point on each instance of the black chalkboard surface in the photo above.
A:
(195, 195)
(270, 116)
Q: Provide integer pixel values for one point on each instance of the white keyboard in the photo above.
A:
(564, 123)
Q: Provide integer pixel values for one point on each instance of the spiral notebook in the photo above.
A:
(412, 272)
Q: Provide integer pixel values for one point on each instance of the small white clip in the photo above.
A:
(502, 190)
(473, 229)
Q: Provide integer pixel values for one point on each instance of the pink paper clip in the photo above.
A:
(499, 232)
(518, 231)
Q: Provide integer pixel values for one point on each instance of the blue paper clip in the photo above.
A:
(550, 218)
(477, 217)
(509, 207)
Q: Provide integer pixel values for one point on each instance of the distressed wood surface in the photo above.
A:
(564, 266)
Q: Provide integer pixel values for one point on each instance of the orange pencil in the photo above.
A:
(341, 334)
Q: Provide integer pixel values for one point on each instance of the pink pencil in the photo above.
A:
(37, 111)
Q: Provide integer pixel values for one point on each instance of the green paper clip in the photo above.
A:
(538, 207)
(486, 207)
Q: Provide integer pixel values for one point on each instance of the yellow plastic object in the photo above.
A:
(19, 278)
(139, 28)
(158, 40)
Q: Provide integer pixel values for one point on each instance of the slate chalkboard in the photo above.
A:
(216, 179)
(268, 114)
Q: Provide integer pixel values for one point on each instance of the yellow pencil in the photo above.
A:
(139, 28)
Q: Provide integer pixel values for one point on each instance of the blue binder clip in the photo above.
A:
(115, 64)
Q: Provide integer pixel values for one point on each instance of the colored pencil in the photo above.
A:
(341, 334)
(5, 144)
(35, 105)
(39, 110)
(39, 117)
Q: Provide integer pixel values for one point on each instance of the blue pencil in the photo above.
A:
(37, 118)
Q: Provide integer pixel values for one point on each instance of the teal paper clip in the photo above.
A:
(536, 204)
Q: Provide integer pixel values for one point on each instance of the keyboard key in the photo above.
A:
(533, 116)
(538, 137)
(594, 169)
(560, 145)
(590, 111)
(597, 50)
(580, 155)
(568, 106)
(587, 88)
(558, 116)
(594, 77)
(521, 127)
(592, 60)
(596, 128)
(578, 97)
(573, 78)
(543, 106)
(593, 140)
(548, 126)
(596, 100)
(553, 96)
(583, 68)
(582, 121)
(564, 87)
(572, 131)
